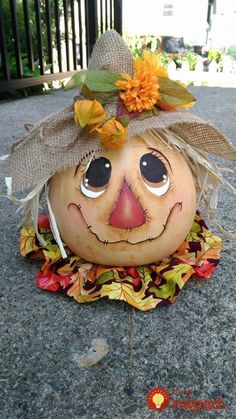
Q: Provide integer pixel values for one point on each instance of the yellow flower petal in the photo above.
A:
(149, 62)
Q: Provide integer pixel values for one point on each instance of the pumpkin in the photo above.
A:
(126, 207)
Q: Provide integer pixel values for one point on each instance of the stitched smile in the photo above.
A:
(149, 239)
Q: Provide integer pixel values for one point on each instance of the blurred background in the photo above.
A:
(191, 36)
(43, 43)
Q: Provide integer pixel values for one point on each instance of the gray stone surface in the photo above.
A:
(190, 344)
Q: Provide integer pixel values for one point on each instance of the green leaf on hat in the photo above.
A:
(123, 119)
(103, 98)
(95, 80)
(173, 93)
(146, 114)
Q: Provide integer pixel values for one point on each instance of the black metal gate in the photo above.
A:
(42, 41)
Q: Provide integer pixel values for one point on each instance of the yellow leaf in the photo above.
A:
(52, 252)
(212, 240)
(27, 241)
(77, 290)
(125, 292)
(179, 275)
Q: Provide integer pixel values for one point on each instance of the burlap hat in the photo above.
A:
(57, 142)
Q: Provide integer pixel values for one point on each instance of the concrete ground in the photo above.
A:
(187, 346)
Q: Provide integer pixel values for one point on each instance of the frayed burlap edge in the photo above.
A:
(57, 143)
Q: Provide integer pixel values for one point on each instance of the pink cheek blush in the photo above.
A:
(76, 213)
(186, 197)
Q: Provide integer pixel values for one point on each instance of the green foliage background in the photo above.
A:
(5, 6)
(9, 39)
(232, 51)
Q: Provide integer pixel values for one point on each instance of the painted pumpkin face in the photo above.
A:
(128, 207)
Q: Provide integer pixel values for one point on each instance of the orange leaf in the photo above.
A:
(88, 112)
(112, 134)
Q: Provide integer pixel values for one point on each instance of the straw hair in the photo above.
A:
(57, 143)
(208, 178)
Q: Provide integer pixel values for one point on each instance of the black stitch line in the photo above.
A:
(78, 206)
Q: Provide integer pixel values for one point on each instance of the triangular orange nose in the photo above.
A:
(128, 212)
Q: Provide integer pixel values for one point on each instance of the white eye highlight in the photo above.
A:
(96, 177)
(154, 174)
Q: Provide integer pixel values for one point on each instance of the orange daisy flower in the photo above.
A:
(142, 92)
(149, 62)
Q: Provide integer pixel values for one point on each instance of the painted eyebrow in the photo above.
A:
(76, 170)
(163, 155)
(78, 166)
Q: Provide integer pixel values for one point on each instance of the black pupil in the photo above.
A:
(152, 168)
(98, 173)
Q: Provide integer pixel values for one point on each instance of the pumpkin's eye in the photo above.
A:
(155, 174)
(96, 178)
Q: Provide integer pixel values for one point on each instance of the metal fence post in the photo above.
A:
(118, 16)
(16, 36)
(48, 36)
(91, 25)
(3, 48)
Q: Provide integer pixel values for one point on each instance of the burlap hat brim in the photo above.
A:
(57, 143)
